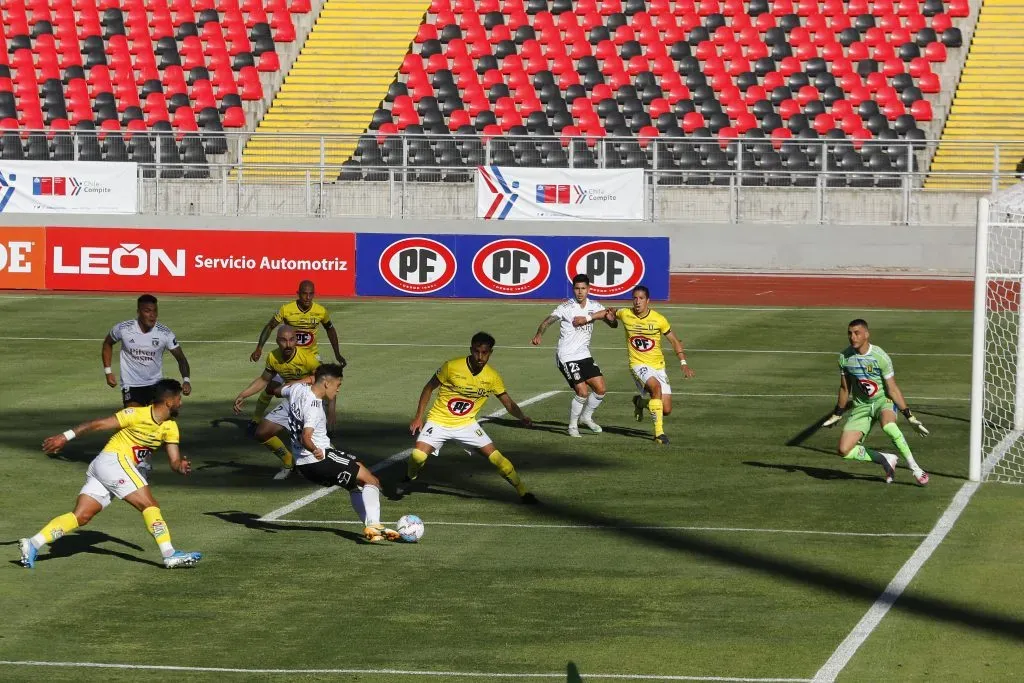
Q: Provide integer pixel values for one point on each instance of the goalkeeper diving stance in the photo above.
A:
(867, 381)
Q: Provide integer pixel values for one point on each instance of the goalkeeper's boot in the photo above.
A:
(574, 432)
(638, 410)
(890, 467)
(661, 439)
(591, 425)
(922, 477)
(28, 553)
(378, 533)
(181, 560)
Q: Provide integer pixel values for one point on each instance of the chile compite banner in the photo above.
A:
(80, 187)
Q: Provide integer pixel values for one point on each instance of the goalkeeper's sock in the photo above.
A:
(368, 504)
(54, 529)
(262, 403)
(576, 409)
(158, 527)
(900, 442)
(417, 459)
(277, 447)
(656, 407)
(593, 402)
(507, 471)
(862, 454)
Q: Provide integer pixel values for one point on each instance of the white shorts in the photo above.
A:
(642, 373)
(471, 435)
(279, 415)
(112, 473)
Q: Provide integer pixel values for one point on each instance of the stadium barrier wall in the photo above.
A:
(940, 250)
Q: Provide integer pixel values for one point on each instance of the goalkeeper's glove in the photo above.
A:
(835, 417)
(914, 422)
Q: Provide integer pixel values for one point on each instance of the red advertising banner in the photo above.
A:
(199, 261)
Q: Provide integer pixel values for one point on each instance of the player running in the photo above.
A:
(644, 329)
(575, 317)
(289, 362)
(464, 384)
(319, 462)
(116, 470)
(143, 341)
(305, 315)
(866, 379)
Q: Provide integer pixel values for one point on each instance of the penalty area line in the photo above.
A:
(276, 515)
(397, 672)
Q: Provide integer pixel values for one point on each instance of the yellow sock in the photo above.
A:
(507, 471)
(277, 447)
(158, 527)
(262, 403)
(58, 526)
(655, 405)
(417, 459)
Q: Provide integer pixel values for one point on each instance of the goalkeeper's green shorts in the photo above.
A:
(863, 416)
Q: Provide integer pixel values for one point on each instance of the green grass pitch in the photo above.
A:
(726, 554)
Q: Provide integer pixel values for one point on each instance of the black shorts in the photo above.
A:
(140, 395)
(576, 371)
(336, 469)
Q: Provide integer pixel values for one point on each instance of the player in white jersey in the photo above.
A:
(575, 317)
(318, 461)
(143, 342)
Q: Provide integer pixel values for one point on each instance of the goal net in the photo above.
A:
(997, 384)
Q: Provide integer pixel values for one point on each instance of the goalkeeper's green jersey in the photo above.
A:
(866, 373)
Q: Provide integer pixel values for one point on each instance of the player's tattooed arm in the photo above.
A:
(183, 367)
(53, 444)
(677, 346)
(264, 336)
(178, 462)
(106, 355)
(417, 420)
(513, 409)
(544, 324)
(610, 318)
(332, 335)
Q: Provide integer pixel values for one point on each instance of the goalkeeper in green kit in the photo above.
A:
(868, 384)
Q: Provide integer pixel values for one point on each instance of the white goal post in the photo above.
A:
(997, 354)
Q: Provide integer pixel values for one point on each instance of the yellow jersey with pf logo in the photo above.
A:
(140, 434)
(302, 364)
(643, 336)
(462, 394)
(304, 322)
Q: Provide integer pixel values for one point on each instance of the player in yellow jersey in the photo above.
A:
(305, 315)
(644, 329)
(116, 470)
(288, 363)
(464, 384)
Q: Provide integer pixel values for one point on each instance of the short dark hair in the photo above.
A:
(307, 282)
(145, 299)
(859, 322)
(329, 370)
(165, 388)
(582, 277)
(641, 288)
(481, 338)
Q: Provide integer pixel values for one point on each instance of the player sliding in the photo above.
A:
(464, 384)
(575, 317)
(644, 329)
(140, 431)
(318, 461)
(867, 380)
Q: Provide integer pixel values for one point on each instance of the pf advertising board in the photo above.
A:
(22, 258)
(559, 194)
(199, 261)
(491, 266)
(80, 187)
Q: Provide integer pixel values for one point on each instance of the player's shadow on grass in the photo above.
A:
(816, 472)
(392, 492)
(633, 432)
(88, 541)
(934, 412)
(252, 521)
(538, 425)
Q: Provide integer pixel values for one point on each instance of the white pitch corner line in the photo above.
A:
(291, 507)
(869, 622)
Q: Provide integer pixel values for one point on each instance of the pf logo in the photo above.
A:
(511, 267)
(614, 268)
(417, 265)
(459, 406)
(641, 343)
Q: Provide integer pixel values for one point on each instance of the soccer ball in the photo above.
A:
(410, 528)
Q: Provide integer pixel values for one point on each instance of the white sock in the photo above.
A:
(356, 495)
(371, 504)
(911, 463)
(593, 402)
(575, 408)
(166, 549)
(38, 541)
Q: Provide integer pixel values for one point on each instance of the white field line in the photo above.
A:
(848, 648)
(460, 345)
(560, 675)
(276, 515)
(590, 527)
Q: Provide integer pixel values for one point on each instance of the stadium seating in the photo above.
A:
(154, 79)
(780, 73)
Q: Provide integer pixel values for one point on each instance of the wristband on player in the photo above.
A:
(682, 361)
(906, 412)
(185, 380)
(838, 410)
(108, 371)
(69, 434)
(590, 318)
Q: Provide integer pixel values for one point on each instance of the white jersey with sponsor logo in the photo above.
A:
(305, 411)
(142, 353)
(574, 342)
